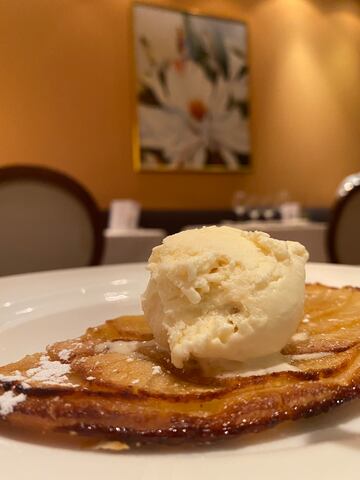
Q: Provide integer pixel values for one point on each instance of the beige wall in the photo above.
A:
(65, 98)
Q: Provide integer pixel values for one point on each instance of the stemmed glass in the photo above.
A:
(269, 210)
(254, 210)
(239, 203)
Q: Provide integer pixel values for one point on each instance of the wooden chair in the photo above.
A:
(343, 236)
(48, 221)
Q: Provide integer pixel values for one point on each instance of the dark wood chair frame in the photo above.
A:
(335, 216)
(65, 183)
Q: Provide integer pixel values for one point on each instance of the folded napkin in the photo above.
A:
(124, 214)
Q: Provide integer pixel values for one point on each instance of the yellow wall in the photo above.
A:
(65, 98)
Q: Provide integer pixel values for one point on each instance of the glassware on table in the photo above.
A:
(239, 203)
(290, 210)
(270, 211)
(253, 209)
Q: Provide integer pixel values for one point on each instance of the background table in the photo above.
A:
(127, 246)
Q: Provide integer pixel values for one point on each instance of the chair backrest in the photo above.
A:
(47, 221)
(344, 228)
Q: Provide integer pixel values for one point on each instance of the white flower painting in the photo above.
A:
(192, 91)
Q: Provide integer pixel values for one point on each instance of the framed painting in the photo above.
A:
(192, 99)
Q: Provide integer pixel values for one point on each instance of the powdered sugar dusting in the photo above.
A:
(64, 354)
(156, 370)
(16, 376)
(8, 402)
(53, 372)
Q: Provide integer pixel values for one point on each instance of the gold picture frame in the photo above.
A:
(191, 74)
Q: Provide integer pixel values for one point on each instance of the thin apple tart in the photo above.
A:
(114, 384)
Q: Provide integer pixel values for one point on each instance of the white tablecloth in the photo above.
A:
(311, 234)
(127, 246)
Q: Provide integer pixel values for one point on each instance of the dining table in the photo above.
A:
(130, 245)
(135, 244)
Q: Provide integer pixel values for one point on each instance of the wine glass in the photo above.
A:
(239, 201)
(254, 211)
(269, 208)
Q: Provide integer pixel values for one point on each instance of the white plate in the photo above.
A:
(38, 309)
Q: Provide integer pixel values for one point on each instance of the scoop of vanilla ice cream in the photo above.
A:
(223, 293)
